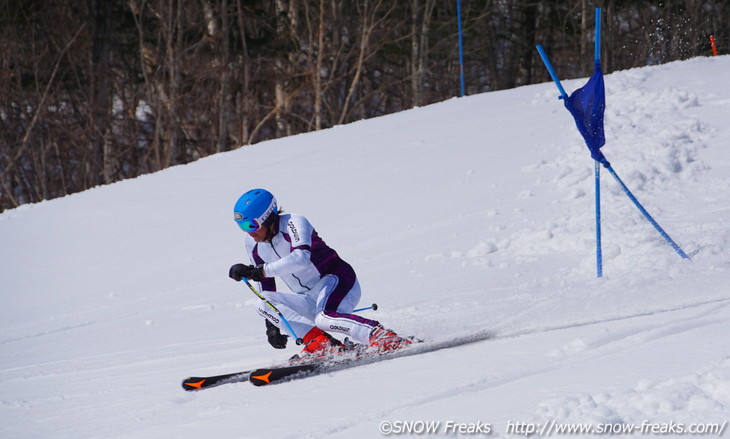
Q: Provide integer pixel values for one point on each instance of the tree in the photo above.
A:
(101, 90)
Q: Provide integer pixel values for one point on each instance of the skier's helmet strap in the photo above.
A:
(253, 209)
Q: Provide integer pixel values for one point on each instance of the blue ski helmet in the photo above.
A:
(253, 209)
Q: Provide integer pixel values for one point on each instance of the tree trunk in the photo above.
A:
(415, 44)
(318, 66)
(585, 38)
(224, 99)
(280, 100)
(99, 164)
(245, 101)
(174, 28)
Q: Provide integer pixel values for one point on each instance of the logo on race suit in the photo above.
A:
(339, 328)
(294, 231)
(237, 216)
(268, 316)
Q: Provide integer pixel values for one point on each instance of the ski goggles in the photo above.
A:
(249, 225)
(254, 224)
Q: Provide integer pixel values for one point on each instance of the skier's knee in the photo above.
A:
(265, 313)
(322, 321)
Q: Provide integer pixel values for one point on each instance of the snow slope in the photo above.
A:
(469, 215)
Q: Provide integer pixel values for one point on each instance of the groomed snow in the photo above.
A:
(469, 215)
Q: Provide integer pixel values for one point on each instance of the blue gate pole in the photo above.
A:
(597, 39)
(550, 70)
(461, 48)
(599, 252)
(597, 173)
(656, 225)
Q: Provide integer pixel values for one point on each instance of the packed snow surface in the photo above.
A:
(471, 215)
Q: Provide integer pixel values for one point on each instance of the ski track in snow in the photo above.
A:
(471, 215)
(584, 408)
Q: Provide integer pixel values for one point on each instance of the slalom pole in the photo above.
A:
(461, 49)
(299, 341)
(647, 216)
(714, 47)
(597, 167)
(564, 96)
(597, 38)
(550, 70)
(599, 252)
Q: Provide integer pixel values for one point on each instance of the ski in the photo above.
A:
(264, 376)
(317, 366)
(312, 367)
(282, 371)
(200, 383)
(357, 358)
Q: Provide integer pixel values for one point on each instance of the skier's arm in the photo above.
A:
(289, 263)
(300, 233)
(268, 283)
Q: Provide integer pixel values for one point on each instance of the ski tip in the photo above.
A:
(260, 377)
(263, 377)
(193, 383)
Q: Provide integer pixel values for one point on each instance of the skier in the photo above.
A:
(325, 288)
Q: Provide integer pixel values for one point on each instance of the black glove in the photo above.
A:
(276, 338)
(239, 271)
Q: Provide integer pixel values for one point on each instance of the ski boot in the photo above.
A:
(385, 340)
(317, 344)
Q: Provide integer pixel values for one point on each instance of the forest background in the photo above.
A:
(97, 91)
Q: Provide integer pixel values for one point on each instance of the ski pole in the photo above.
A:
(283, 319)
(374, 307)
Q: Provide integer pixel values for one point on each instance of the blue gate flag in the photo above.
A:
(587, 105)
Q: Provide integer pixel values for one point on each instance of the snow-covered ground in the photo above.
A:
(469, 215)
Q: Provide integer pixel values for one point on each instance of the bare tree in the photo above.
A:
(97, 91)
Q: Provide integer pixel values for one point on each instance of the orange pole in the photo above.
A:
(714, 47)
